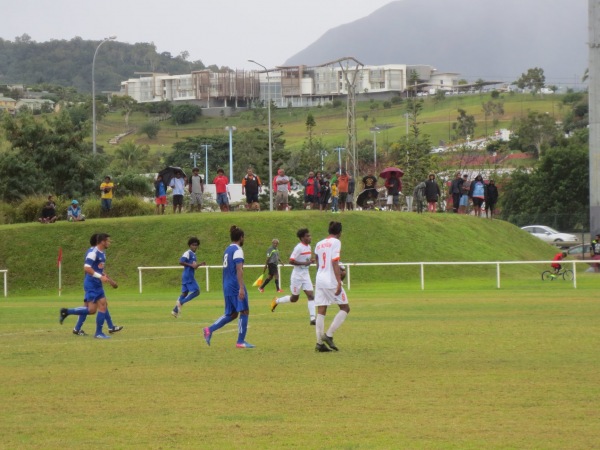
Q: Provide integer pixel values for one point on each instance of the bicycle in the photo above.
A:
(550, 275)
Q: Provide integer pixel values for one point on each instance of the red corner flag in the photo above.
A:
(59, 261)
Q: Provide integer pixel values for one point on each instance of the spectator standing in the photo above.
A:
(370, 185)
(456, 192)
(311, 189)
(419, 196)
(251, 186)
(325, 193)
(107, 189)
(477, 194)
(351, 189)
(334, 197)
(160, 194)
(273, 260)
(74, 212)
(432, 193)
(178, 185)
(48, 214)
(281, 184)
(221, 183)
(491, 198)
(393, 186)
(196, 188)
(342, 185)
(463, 205)
(595, 251)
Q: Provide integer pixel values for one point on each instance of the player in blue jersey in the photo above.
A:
(234, 290)
(189, 286)
(88, 308)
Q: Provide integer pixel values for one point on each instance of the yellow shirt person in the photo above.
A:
(106, 196)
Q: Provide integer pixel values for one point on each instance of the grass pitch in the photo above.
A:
(433, 369)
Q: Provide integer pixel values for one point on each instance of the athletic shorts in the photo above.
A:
(93, 295)
(222, 199)
(343, 197)
(281, 197)
(190, 287)
(251, 198)
(464, 200)
(272, 269)
(177, 200)
(310, 199)
(327, 297)
(299, 283)
(233, 304)
(393, 199)
(477, 201)
(196, 198)
(162, 200)
(350, 198)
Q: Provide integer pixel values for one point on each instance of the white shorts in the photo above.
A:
(300, 283)
(196, 199)
(327, 297)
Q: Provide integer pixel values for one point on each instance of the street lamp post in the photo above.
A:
(270, 134)
(340, 150)
(111, 38)
(375, 130)
(231, 129)
(206, 146)
(194, 156)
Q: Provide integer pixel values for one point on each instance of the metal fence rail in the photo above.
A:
(422, 265)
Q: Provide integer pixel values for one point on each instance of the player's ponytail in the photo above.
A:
(235, 233)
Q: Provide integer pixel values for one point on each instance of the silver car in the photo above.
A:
(550, 235)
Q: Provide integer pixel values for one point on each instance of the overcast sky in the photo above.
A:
(221, 32)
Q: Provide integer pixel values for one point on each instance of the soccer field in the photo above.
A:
(434, 369)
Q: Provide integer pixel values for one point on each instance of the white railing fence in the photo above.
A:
(5, 273)
(422, 266)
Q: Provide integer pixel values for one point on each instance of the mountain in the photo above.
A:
(488, 39)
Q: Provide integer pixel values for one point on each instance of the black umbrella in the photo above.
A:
(365, 196)
(169, 173)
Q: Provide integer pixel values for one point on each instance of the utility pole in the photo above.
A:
(594, 114)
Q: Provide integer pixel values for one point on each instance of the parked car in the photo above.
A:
(581, 251)
(551, 236)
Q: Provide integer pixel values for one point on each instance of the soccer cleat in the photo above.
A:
(207, 335)
(273, 304)
(321, 348)
(261, 290)
(174, 314)
(79, 333)
(115, 329)
(280, 290)
(313, 321)
(102, 336)
(63, 315)
(329, 341)
(244, 345)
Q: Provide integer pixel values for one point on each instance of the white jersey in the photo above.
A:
(301, 254)
(327, 251)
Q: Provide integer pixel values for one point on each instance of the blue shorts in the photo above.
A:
(222, 199)
(233, 304)
(93, 295)
(464, 200)
(190, 287)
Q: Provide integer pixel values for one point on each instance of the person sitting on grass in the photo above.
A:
(48, 213)
(558, 257)
(74, 212)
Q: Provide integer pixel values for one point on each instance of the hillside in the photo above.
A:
(30, 251)
(493, 40)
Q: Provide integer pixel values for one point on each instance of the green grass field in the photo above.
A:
(434, 369)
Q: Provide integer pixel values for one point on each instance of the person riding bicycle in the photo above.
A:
(558, 257)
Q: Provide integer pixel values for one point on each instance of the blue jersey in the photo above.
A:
(233, 255)
(95, 259)
(188, 272)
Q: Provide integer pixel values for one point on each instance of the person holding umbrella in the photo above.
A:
(393, 185)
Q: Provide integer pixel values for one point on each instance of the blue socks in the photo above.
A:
(79, 311)
(100, 318)
(242, 328)
(109, 321)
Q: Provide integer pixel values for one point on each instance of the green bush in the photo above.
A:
(8, 213)
(121, 207)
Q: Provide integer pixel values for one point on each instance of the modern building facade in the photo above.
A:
(295, 86)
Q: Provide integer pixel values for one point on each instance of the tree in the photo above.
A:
(536, 131)
(464, 125)
(126, 104)
(131, 156)
(479, 85)
(494, 109)
(150, 129)
(533, 79)
(413, 80)
(183, 114)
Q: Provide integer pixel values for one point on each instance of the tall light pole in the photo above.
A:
(206, 146)
(270, 134)
(231, 129)
(340, 150)
(375, 130)
(111, 38)
(194, 156)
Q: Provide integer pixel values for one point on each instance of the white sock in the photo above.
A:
(284, 299)
(338, 320)
(320, 327)
(312, 310)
